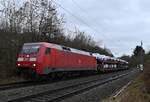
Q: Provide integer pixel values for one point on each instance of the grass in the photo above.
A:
(136, 92)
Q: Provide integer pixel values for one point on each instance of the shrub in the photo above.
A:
(146, 76)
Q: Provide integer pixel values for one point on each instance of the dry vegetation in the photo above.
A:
(134, 93)
(138, 91)
(146, 77)
(34, 21)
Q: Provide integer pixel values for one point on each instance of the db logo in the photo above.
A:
(79, 61)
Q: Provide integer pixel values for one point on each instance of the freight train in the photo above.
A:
(44, 58)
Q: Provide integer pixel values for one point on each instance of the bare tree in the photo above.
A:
(33, 16)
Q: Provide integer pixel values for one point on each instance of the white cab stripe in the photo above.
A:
(32, 59)
(20, 59)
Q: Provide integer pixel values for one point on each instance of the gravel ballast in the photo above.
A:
(7, 95)
(101, 92)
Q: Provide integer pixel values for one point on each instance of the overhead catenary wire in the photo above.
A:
(84, 11)
(75, 3)
(84, 22)
(79, 19)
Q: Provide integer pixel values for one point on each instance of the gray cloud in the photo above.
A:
(121, 24)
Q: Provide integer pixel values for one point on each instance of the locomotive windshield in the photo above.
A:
(30, 49)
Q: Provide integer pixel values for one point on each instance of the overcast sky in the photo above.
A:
(120, 24)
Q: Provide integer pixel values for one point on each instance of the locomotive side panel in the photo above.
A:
(71, 61)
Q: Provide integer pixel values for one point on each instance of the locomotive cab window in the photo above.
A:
(66, 48)
(48, 51)
(30, 49)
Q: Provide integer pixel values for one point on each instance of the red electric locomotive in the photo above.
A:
(44, 58)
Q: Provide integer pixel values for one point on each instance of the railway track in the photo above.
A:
(58, 94)
(16, 85)
(33, 83)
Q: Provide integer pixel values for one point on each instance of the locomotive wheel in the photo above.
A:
(100, 69)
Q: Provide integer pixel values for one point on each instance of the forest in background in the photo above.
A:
(35, 21)
(39, 21)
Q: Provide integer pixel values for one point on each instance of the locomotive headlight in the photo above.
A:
(18, 64)
(34, 65)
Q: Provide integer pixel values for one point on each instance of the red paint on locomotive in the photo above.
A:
(45, 58)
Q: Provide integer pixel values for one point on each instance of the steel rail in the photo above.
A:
(76, 88)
